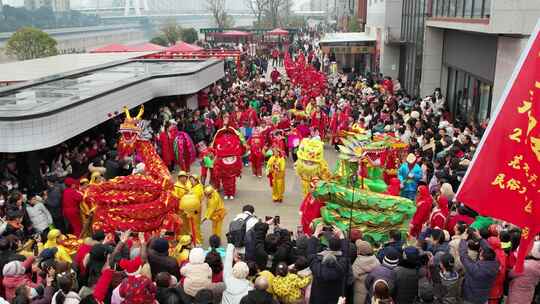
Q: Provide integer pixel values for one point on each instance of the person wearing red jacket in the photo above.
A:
(256, 157)
(498, 286)
(423, 210)
(439, 215)
(71, 200)
(319, 121)
(454, 218)
(394, 187)
(310, 209)
(275, 75)
(166, 144)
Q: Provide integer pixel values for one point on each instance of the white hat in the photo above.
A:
(415, 115)
(411, 158)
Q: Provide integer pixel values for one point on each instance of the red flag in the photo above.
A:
(503, 178)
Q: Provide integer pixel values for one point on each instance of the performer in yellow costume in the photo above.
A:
(311, 163)
(54, 237)
(197, 189)
(275, 168)
(180, 250)
(215, 209)
(182, 187)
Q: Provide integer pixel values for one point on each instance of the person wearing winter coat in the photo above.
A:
(522, 284)
(395, 242)
(479, 275)
(235, 278)
(54, 203)
(136, 288)
(409, 175)
(39, 215)
(329, 268)
(65, 294)
(260, 294)
(14, 275)
(198, 274)
(364, 263)
(288, 286)
(407, 275)
(439, 215)
(381, 293)
(448, 288)
(385, 272)
(423, 210)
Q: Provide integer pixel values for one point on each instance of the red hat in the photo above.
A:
(71, 181)
(131, 266)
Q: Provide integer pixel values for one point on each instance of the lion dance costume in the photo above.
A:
(311, 163)
(184, 149)
(135, 202)
(229, 147)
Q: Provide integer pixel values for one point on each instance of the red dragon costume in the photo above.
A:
(141, 202)
(229, 149)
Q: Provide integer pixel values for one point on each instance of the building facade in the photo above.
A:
(384, 23)
(55, 5)
(470, 48)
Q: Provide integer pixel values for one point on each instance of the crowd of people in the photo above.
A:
(449, 255)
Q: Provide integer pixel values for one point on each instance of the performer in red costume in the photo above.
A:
(71, 199)
(256, 157)
(229, 149)
(440, 214)
(423, 210)
(319, 121)
(166, 144)
(310, 209)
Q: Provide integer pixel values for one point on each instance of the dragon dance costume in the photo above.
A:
(229, 148)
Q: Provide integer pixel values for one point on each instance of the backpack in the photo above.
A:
(237, 232)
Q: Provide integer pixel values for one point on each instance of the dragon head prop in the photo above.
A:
(130, 131)
(363, 147)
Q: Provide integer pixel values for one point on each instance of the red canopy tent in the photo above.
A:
(278, 32)
(111, 48)
(182, 47)
(145, 47)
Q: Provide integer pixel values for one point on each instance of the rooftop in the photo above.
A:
(346, 38)
(33, 69)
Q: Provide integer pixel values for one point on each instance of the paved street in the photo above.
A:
(255, 191)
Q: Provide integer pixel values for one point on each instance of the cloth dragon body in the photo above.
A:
(139, 202)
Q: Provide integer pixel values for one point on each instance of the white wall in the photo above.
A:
(432, 60)
(508, 53)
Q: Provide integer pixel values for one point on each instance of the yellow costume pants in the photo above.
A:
(278, 188)
(217, 221)
(197, 228)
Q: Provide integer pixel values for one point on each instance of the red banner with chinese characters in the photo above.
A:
(503, 179)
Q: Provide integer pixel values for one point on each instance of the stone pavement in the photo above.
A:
(257, 192)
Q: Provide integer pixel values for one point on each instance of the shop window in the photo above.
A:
(468, 9)
(477, 8)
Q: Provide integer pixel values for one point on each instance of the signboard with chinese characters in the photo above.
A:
(503, 179)
(349, 49)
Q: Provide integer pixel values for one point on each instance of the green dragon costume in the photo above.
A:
(355, 193)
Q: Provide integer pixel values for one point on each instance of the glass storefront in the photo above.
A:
(468, 96)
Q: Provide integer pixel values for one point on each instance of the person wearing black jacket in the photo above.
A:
(330, 267)
(54, 203)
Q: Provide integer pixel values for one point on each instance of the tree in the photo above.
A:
(190, 35)
(29, 43)
(257, 7)
(160, 40)
(172, 32)
(221, 18)
(274, 10)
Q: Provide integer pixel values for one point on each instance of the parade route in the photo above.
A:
(257, 192)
